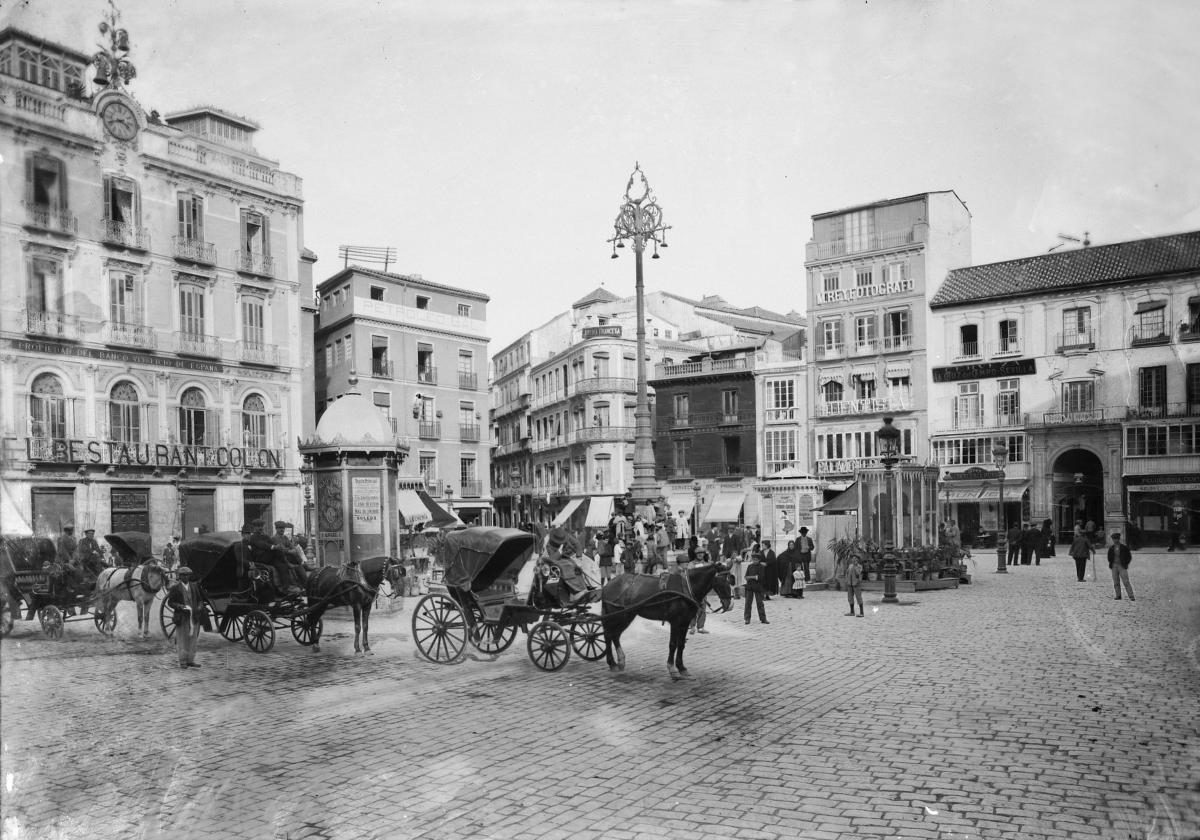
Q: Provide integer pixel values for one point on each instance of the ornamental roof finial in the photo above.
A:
(113, 67)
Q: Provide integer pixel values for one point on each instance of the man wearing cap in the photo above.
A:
(186, 601)
(170, 554)
(281, 539)
(67, 546)
(88, 555)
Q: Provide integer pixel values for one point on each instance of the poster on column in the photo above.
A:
(804, 510)
(367, 503)
(785, 515)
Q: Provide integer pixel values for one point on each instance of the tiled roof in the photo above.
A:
(597, 295)
(409, 279)
(1066, 270)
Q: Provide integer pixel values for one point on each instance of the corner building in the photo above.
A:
(871, 270)
(154, 273)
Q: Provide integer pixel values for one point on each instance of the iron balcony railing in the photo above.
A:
(51, 324)
(195, 250)
(47, 217)
(471, 488)
(130, 335)
(428, 375)
(125, 235)
(1140, 334)
(1007, 347)
(705, 419)
(897, 342)
(249, 262)
(594, 434)
(968, 351)
(258, 352)
(434, 486)
(829, 351)
(705, 365)
(866, 346)
(198, 345)
(603, 384)
(468, 432)
(468, 380)
(383, 369)
(1163, 410)
(1189, 332)
(779, 415)
(1076, 417)
(429, 430)
(1079, 340)
(860, 244)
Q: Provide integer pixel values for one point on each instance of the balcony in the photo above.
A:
(53, 219)
(1006, 347)
(194, 250)
(1160, 412)
(598, 434)
(125, 235)
(1190, 332)
(866, 405)
(829, 351)
(1141, 335)
(198, 345)
(968, 351)
(504, 449)
(383, 369)
(429, 430)
(471, 489)
(681, 421)
(866, 347)
(779, 415)
(719, 470)
(468, 380)
(892, 343)
(860, 244)
(705, 365)
(603, 384)
(434, 486)
(1077, 417)
(258, 353)
(130, 335)
(706, 419)
(51, 325)
(1074, 341)
(519, 404)
(248, 262)
(428, 375)
(468, 432)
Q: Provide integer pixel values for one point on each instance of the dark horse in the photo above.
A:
(673, 598)
(326, 588)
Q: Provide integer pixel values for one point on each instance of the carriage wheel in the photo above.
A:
(106, 622)
(260, 631)
(166, 618)
(439, 628)
(587, 639)
(232, 627)
(549, 647)
(52, 621)
(306, 631)
(490, 637)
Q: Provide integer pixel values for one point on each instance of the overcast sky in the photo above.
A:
(490, 142)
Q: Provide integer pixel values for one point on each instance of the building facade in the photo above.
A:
(1086, 365)
(418, 350)
(871, 271)
(154, 273)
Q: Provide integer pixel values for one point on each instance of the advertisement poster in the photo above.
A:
(367, 504)
(804, 510)
(785, 516)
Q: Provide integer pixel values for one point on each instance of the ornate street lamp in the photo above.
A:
(640, 222)
(889, 455)
(696, 512)
(449, 499)
(1000, 461)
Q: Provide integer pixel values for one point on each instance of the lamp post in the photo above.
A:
(449, 499)
(640, 222)
(696, 512)
(514, 480)
(889, 454)
(1000, 461)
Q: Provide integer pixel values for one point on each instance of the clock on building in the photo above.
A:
(119, 119)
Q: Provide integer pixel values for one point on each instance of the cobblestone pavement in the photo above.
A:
(1027, 705)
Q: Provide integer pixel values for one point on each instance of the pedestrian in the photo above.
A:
(170, 554)
(605, 553)
(1090, 530)
(662, 545)
(787, 565)
(756, 573)
(1047, 540)
(771, 569)
(1014, 543)
(853, 583)
(701, 616)
(683, 531)
(953, 535)
(1119, 558)
(1176, 532)
(804, 552)
(189, 614)
(1029, 541)
(1081, 552)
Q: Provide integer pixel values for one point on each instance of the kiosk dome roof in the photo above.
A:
(354, 419)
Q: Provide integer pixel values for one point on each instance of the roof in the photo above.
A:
(12, 32)
(407, 279)
(719, 304)
(353, 420)
(597, 295)
(883, 202)
(244, 122)
(1066, 270)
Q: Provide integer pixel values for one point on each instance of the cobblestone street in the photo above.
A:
(1021, 706)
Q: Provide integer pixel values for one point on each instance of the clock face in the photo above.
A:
(119, 120)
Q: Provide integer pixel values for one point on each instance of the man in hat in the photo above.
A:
(170, 554)
(67, 546)
(186, 602)
(89, 557)
(280, 538)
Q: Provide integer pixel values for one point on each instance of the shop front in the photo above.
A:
(1163, 507)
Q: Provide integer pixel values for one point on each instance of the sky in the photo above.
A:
(490, 143)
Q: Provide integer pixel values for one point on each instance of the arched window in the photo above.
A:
(254, 422)
(47, 408)
(832, 392)
(193, 418)
(124, 415)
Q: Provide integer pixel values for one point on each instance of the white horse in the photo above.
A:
(138, 584)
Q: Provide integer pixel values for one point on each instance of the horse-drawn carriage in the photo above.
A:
(476, 601)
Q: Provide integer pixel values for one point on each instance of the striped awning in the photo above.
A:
(412, 509)
(565, 513)
(991, 492)
(863, 372)
(895, 370)
(599, 512)
(825, 377)
(725, 507)
(681, 503)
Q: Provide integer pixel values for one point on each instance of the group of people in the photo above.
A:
(1028, 544)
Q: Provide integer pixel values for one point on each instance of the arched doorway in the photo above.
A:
(1078, 492)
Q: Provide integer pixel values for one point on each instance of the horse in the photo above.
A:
(673, 598)
(328, 589)
(130, 583)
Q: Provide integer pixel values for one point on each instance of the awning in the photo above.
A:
(681, 504)
(1150, 305)
(441, 517)
(599, 512)
(647, 512)
(962, 494)
(846, 501)
(750, 516)
(1012, 493)
(725, 507)
(895, 370)
(863, 372)
(565, 513)
(412, 509)
(830, 376)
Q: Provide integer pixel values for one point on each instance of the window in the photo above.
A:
(897, 272)
(121, 209)
(253, 322)
(254, 422)
(780, 449)
(191, 217)
(1191, 327)
(1077, 327)
(1078, 396)
(830, 282)
(1146, 440)
(968, 406)
(422, 302)
(603, 478)
(682, 404)
(968, 341)
(1191, 381)
(780, 400)
(680, 453)
(45, 182)
(426, 372)
(896, 333)
(1150, 322)
(257, 504)
(466, 475)
(1152, 389)
(426, 412)
(1008, 402)
(47, 408)
(53, 507)
(831, 335)
(600, 414)
(124, 298)
(349, 342)
(599, 364)
(464, 310)
(191, 312)
(629, 367)
(831, 392)
(729, 406)
(124, 416)
(427, 466)
(864, 332)
(1008, 337)
(857, 229)
(193, 418)
(44, 294)
(376, 293)
(863, 277)
(864, 387)
(466, 369)
(255, 234)
(339, 352)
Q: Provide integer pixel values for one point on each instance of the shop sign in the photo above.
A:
(1162, 483)
(600, 332)
(985, 370)
(892, 287)
(118, 454)
(367, 505)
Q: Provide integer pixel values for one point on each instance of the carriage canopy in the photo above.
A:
(474, 558)
(132, 546)
(214, 559)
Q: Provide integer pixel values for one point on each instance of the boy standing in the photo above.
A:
(1119, 559)
(756, 574)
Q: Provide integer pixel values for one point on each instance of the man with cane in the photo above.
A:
(187, 602)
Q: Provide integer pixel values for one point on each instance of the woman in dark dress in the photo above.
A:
(787, 566)
(1047, 546)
